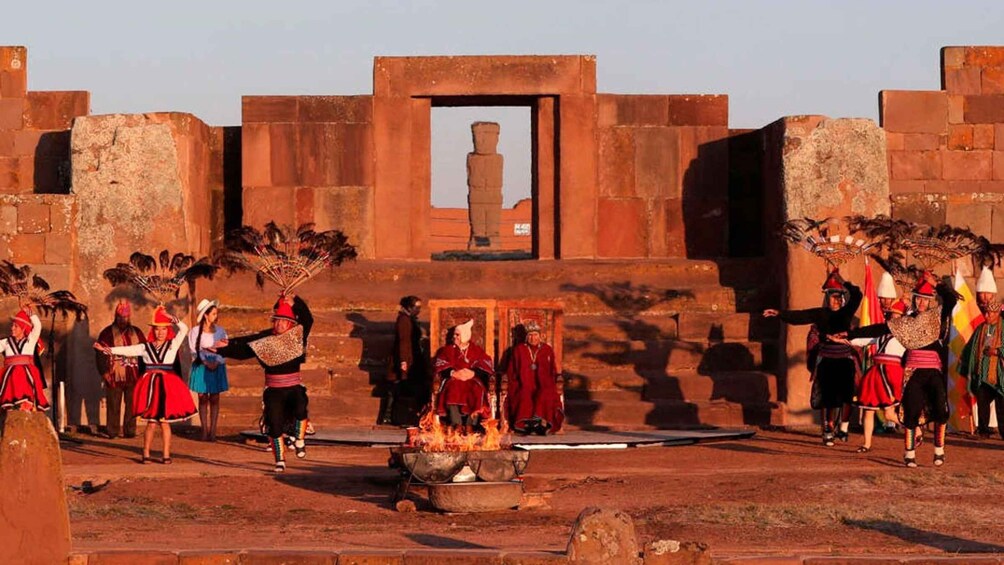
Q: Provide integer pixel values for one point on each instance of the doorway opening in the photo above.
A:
(482, 197)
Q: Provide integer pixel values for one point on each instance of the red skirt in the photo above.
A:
(162, 396)
(22, 383)
(882, 385)
(471, 395)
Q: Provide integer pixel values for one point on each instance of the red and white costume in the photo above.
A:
(161, 395)
(22, 381)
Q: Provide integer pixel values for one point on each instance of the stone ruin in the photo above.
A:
(648, 212)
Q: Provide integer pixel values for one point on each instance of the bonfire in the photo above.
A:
(431, 435)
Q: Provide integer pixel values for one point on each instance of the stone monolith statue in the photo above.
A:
(484, 183)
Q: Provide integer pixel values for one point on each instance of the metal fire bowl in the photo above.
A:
(476, 497)
(430, 466)
(441, 466)
(498, 466)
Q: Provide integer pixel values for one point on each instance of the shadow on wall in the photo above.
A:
(936, 540)
(52, 163)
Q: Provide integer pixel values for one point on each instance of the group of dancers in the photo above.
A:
(905, 378)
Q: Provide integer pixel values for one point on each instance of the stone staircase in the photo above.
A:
(646, 344)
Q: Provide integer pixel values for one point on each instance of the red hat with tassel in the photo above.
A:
(834, 283)
(23, 320)
(284, 311)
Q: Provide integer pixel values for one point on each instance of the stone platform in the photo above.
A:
(574, 439)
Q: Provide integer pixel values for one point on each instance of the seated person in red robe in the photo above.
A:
(534, 404)
(464, 368)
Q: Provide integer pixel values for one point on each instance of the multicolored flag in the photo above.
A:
(870, 311)
(965, 318)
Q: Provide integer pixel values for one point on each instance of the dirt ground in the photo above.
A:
(776, 492)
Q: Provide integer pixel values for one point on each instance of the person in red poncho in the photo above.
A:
(464, 367)
(22, 386)
(534, 404)
(161, 397)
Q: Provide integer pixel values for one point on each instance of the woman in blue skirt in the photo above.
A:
(209, 370)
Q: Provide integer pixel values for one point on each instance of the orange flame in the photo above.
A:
(433, 436)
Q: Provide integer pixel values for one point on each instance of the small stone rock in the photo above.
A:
(603, 536)
(672, 552)
(405, 506)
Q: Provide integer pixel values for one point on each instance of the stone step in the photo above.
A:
(587, 286)
(663, 354)
(632, 414)
(734, 386)
(341, 410)
(733, 326)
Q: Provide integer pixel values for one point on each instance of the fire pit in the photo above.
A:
(464, 472)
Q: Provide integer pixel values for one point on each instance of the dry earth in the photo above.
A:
(776, 492)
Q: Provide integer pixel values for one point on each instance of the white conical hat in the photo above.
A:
(886, 287)
(464, 331)
(986, 282)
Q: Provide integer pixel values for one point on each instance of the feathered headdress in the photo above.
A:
(820, 239)
(285, 257)
(30, 287)
(161, 277)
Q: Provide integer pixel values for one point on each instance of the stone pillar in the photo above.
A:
(484, 184)
(816, 167)
(34, 518)
(142, 184)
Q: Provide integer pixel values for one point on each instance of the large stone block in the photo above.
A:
(960, 137)
(984, 56)
(12, 113)
(622, 228)
(269, 109)
(472, 75)
(915, 165)
(345, 208)
(34, 518)
(930, 209)
(33, 217)
(55, 110)
(617, 161)
(914, 111)
(284, 140)
(998, 159)
(28, 248)
(264, 204)
(992, 80)
(983, 136)
(335, 154)
(976, 216)
(256, 155)
(371, 557)
(342, 109)
(603, 537)
(656, 162)
(632, 110)
(13, 84)
(966, 165)
(961, 80)
(984, 109)
(698, 110)
(918, 141)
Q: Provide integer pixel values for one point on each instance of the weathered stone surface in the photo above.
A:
(602, 536)
(370, 557)
(208, 558)
(32, 500)
(927, 209)
(486, 137)
(141, 182)
(623, 227)
(671, 552)
(534, 558)
(616, 161)
(54, 110)
(345, 208)
(984, 109)
(288, 557)
(698, 110)
(909, 111)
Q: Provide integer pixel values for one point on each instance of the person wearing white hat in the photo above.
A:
(886, 292)
(209, 369)
(464, 367)
(986, 289)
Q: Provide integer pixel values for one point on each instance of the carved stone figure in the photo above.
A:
(484, 183)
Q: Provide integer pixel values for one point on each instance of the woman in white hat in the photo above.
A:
(209, 369)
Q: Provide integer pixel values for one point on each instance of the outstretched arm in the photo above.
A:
(874, 330)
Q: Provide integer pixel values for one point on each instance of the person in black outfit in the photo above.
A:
(924, 334)
(285, 397)
(836, 365)
(407, 375)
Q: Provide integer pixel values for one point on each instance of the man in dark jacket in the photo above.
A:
(407, 375)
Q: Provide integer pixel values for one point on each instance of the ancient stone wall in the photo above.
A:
(310, 159)
(663, 175)
(946, 147)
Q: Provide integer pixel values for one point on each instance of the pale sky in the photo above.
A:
(773, 58)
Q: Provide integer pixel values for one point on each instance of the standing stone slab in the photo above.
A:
(601, 536)
(822, 167)
(34, 519)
